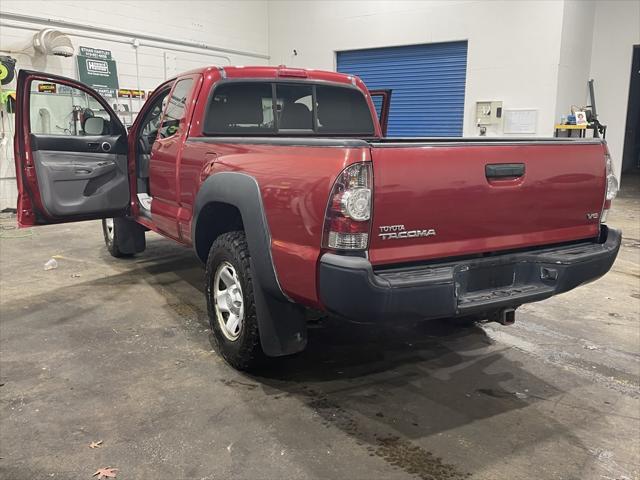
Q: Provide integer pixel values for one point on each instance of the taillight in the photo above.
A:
(612, 181)
(347, 221)
(612, 187)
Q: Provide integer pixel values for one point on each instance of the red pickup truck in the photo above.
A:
(285, 186)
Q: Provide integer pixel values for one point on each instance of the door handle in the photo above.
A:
(94, 169)
(96, 146)
(504, 170)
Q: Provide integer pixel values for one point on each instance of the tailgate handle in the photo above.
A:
(504, 170)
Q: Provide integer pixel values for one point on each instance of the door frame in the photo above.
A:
(632, 142)
(383, 119)
(132, 140)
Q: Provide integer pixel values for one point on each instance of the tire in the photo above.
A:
(231, 304)
(123, 237)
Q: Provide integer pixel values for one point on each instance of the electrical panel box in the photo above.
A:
(488, 113)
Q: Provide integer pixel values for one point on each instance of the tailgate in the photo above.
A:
(434, 201)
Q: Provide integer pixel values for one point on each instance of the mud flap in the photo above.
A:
(131, 238)
(282, 324)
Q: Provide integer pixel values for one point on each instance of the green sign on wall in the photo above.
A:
(97, 69)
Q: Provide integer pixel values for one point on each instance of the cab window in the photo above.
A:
(57, 109)
(287, 108)
(241, 108)
(151, 124)
(175, 108)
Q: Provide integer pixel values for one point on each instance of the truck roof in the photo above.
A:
(273, 72)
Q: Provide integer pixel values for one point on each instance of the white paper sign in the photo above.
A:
(523, 120)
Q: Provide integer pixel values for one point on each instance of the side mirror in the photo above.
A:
(93, 126)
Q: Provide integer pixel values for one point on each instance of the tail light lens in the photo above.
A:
(612, 181)
(347, 221)
(612, 187)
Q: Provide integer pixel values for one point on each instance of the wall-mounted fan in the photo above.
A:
(53, 42)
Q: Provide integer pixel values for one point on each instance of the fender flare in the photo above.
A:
(281, 322)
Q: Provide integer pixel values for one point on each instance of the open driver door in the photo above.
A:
(382, 101)
(70, 152)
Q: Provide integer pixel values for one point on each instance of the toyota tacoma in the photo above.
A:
(284, 184)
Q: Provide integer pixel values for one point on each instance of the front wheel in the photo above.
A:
(230, 302)
(123, 237)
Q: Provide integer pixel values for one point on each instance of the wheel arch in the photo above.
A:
(214, 219)
(231, 194)
(237, 197)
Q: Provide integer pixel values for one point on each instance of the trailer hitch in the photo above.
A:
(506, 316)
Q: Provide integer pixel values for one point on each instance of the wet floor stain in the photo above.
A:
(189, 312)
(398, 452)
(237, 383)
(495, 393)
(414, 460)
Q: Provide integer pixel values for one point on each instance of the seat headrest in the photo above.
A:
(296, 115)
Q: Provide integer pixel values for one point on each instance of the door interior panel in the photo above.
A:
(81, 175)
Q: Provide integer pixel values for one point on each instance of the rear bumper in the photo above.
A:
(349, 286)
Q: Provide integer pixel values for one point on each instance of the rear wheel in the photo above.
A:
(123, 237)
(230, 302)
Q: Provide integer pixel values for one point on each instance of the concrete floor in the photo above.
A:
(119, 351)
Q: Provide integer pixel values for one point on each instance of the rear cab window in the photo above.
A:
(287, 108)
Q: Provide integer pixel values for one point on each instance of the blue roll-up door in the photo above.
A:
(428, 83)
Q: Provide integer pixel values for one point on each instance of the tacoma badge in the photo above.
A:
(398, 232)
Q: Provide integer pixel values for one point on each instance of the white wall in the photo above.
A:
(513, 52)
(226, 24)
(616, 29)
(575, 56)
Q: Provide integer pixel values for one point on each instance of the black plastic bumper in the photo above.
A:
(349, 287)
